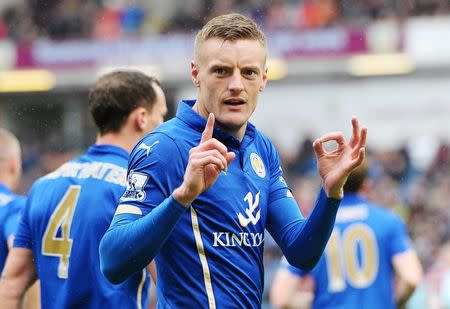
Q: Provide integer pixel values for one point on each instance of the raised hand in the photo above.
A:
(206, 162)
(335, 166)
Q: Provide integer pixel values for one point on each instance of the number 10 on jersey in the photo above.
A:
(344, 264)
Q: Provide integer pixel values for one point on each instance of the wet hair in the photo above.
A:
(356, 178)
(116, 95)
(230, 27)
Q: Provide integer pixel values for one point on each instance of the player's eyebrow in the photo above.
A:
(220, 66)
(251, 67)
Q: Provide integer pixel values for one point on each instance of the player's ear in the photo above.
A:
(194, 74)
(14, 168)
(264, 79)
(140, 118)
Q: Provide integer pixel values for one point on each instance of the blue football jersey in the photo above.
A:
(213, 258)
(66, 215)
(11, 206)
(355, 270)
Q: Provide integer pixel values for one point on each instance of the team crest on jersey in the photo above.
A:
(135, 187)
(257, 165)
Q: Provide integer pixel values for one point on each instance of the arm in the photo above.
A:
(291, 291)
(14, 224)
(407, 268)
(18, 275)
(136, 238)
(409, 274)
(33, 297)
(293, 233)
(303, 241)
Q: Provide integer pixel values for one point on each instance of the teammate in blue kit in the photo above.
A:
(204, 186)
(368, 246)
(10, 203)
(69, 210)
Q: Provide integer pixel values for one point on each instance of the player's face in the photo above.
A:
(229, 75)
(159, 110)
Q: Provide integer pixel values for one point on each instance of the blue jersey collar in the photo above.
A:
(108, 149)
(4, 188)
(352, 199)
(197, 122)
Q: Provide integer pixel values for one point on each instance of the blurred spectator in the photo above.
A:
(107, 24)
(441, 162)
(429, 7)
(305, 161)
(3, 29)
(132, 19)
(318, 13)
(66, 20)
(18, 23)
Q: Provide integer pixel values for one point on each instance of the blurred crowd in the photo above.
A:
(25, 20)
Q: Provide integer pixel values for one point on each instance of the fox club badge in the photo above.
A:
(257, 165)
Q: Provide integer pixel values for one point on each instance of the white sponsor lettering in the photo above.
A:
(96, 170)
(228, 239)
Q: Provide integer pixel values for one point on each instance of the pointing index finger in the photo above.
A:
(209, 129)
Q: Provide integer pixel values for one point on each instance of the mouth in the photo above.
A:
(234, 101)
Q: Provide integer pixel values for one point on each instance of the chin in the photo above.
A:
(231, 125)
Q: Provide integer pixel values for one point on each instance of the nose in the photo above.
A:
(236, 84)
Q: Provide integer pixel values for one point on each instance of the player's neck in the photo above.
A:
(121, 140)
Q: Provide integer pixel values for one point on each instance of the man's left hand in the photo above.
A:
(335, 166)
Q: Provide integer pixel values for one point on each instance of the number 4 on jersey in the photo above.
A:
(61, 220)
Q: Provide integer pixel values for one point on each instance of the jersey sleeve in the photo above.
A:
(278, 186)
(23, 237)
(14, 213)
(294, 270)
(399, 239)
(154, 171)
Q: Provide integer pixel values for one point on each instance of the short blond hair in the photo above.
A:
(230, 27)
